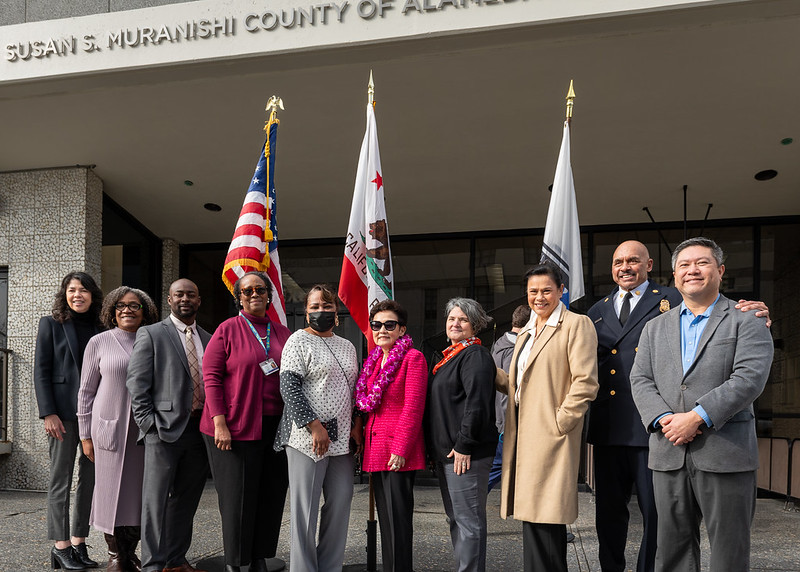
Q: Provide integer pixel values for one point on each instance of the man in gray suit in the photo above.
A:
(166, 387)
(697, 372)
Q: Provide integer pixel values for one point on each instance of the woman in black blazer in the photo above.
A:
(60, 343)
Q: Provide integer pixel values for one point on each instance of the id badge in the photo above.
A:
(268, 366)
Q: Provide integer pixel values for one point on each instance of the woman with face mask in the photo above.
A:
(318, 375)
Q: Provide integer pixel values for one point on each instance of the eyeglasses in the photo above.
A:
(132, 306)
(390, 325)
(259, 290)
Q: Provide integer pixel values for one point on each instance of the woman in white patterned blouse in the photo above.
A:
(318, 374)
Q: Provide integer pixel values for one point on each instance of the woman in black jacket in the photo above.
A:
(60, 343)
(460, 429)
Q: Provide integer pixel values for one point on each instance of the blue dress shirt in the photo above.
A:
(692, 328)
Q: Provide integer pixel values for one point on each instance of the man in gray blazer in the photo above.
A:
(697, 372)
(165, 383)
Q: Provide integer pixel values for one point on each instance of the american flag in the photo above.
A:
(257, 230)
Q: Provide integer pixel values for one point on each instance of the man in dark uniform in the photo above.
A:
(615, 428)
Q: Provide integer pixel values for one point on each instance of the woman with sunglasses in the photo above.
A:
(391, 391)
(318, 375)
(107, 429)
(240, 418)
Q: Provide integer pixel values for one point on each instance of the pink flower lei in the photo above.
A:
(368, 401)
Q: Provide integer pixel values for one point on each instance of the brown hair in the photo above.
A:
(60, 306)
(328, 293)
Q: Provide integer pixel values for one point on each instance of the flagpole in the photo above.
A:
(570, 102)
(372, 524)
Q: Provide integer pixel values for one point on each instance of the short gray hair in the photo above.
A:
(474, 311)
(716, 251)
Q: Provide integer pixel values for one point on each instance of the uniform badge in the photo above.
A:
(664, 306)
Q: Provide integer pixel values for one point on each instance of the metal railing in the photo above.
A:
(5, 358)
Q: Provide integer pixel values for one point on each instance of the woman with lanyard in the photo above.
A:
(242, 411)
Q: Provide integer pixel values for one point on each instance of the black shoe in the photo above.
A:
(82, 555)
(258, 565)
(65, 559)
(274, 565)
(231, 568)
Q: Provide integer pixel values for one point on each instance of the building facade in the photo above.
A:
(131, 130)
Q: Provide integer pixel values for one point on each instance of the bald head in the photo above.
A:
(630, 264)
(184, 300)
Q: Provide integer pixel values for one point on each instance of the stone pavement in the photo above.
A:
(23, 546)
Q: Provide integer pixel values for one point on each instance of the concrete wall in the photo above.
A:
(50, 224)
(21, 11)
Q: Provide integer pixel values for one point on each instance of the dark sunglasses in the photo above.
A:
(260, 290)
(132, 306)
(390, 325)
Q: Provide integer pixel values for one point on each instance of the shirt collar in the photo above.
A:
(637, 291)
(180, 325)
(551, 321)
(705, 314)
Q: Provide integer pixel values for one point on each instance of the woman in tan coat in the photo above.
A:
(552, 379)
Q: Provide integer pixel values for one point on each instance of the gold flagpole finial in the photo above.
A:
(371, 90)
(272, 106)
(570, 99)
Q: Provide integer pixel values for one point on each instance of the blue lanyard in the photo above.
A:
(255, 333)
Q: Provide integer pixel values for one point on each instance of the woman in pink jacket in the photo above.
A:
(391, 391)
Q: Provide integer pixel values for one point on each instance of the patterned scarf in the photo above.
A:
(452, 351)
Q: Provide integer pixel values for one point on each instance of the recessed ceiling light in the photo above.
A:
(188, 183)
(213, 207)
(786, 141)
(766, 175)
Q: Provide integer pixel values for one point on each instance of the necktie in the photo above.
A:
(198, 393)
(625, 311)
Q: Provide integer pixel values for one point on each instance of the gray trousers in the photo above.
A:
(464, 498)
(727, 502)
(62, 464)
(308, 480)
(174, 477)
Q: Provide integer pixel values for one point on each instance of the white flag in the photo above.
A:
(562, 235)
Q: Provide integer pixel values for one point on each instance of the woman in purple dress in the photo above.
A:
(108, 432)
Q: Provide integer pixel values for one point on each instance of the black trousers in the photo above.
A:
(544, 547)
(394, 499)
(616, 470)
(251, 481)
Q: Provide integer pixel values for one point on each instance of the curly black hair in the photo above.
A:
(237, 288)
(108, 313)
(61, 308)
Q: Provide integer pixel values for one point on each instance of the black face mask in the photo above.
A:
(321, 321)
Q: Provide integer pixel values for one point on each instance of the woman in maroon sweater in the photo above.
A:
(391, 390)
(242, 410)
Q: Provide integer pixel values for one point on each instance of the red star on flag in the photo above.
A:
(378, 180)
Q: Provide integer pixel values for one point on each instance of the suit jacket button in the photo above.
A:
(683, 388)
(613, 392)
(636, 349)
(613, 371)
(614, 351)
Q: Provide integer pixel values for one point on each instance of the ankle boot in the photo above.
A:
(114, 560)
(64, 558)
(129, 536)
(82, 555)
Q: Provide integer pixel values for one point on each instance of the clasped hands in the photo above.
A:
(681, 428)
